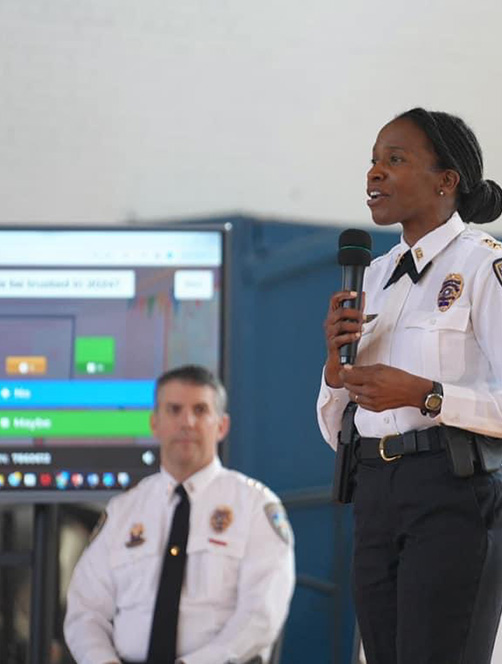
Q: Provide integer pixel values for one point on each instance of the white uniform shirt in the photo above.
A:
(447, 332)
(239, 576)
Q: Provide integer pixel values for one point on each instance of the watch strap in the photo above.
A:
(437, 389)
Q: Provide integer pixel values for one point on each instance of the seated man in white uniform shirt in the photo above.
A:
(239, 573)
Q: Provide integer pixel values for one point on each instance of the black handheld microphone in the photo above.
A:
(354, 255)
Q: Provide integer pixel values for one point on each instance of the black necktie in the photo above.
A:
(162, 648)
(406, 265)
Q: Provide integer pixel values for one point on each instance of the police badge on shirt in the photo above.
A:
(451, 290)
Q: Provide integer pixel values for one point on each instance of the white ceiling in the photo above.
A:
(118, 109)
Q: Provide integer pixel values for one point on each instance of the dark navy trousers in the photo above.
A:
(427, 568)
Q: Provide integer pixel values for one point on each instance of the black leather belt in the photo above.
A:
(390, 448)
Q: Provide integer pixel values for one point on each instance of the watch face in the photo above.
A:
(433, 402)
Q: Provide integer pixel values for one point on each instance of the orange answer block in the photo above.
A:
(26, 365)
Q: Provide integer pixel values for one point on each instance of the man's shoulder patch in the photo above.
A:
(278, 519)
(497, 268)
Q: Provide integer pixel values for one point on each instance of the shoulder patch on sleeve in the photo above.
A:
(278, 519)
(98, 527)
(497, 268)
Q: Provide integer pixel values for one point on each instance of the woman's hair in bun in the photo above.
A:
(457, 148)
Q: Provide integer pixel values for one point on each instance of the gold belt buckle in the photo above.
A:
(381, 449)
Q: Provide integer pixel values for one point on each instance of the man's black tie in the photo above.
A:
(406, 265)
(162, 648)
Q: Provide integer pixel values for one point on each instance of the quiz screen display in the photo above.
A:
(88, 320)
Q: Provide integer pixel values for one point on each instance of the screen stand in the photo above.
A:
(43, 583)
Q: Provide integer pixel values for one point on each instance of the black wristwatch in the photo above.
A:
(433, 401)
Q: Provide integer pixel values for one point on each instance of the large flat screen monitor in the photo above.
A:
(89, 317)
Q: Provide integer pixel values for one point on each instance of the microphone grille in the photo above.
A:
(354, 237)
(354, 247)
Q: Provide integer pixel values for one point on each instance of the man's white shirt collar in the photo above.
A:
(197, 482)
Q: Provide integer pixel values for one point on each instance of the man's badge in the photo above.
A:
(136, 536)
(451, 290)
(98, 527)
(497, 268)
(221, 519)
(278, 519)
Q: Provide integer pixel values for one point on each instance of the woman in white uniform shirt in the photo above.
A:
(427, 573)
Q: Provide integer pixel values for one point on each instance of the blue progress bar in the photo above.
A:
(79, 393)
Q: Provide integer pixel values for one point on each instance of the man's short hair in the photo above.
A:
(195, 374)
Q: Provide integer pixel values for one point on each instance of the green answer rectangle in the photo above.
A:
(94, 355)
(78, 423)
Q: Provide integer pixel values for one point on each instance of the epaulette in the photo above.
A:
(493, 244)
(259, 486)
(481, 239)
